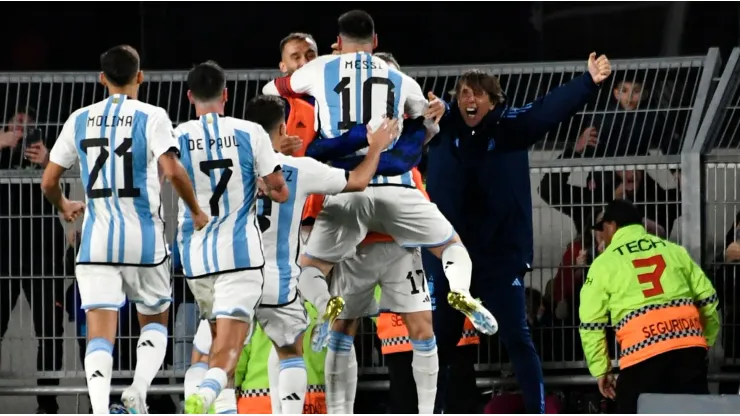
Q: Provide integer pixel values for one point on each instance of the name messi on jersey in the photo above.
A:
(110, 121)
(220, 142)
(360, 64)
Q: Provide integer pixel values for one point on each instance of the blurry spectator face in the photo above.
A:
(628, 94)
(631, 179)
(599, 235)
(19, 122)
(477, 94)
(296, 53)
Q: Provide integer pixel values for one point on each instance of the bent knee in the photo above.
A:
(419, 324)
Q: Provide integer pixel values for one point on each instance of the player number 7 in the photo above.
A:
(206, 167)
(658, 262)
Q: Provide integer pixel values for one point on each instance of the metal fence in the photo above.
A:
(656, 120)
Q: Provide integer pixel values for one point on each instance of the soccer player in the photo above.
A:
(280, 314)
(227, 160)
(355, 280)
(119, 143)
(357, 88)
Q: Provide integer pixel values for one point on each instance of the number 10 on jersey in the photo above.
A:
(343, 88)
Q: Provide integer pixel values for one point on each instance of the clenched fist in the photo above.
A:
(599, 68)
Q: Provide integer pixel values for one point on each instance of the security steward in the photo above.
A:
(661, 305)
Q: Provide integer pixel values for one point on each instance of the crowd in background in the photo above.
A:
(41, 250)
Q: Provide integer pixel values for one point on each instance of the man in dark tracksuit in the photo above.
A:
(478, 175)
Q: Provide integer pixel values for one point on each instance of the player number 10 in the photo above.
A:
(343, 88)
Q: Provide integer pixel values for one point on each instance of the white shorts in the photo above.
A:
(283, 324)
(104, 286)
(232, 294)
(203, 337)
(397, 270)
(403, 213)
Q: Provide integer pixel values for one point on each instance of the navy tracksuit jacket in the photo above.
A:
(479, 178)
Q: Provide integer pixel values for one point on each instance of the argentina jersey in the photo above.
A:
(351, 89)
(223, 157)
(118, 142)
(280, 223)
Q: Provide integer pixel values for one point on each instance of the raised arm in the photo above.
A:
(530, 123)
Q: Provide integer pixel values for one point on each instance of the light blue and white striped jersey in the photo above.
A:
(223, 156)
(281, 223)
(351, 89)
(118, 142)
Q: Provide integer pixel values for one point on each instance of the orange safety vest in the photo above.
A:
(394, 336)
(257, 401)
(301, 122)
(680, 322)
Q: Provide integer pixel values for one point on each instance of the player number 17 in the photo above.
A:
(410, 278)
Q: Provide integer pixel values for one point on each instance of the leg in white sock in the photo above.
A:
(195, 374)
(425, 367)
(292, 385)
(335, 371)
(215, 380)
(150, 352)
(98, 369)
(349, 403)
(225, 402)
(273, 375)
(458, 267)
(313, 287)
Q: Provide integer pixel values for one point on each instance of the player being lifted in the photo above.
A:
(226, 160)
(355, 88)
(281, 314)
(119, 142)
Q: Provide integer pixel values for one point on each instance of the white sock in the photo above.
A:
(425, 367)
(225, 402)
(313, 287)
(98, 370)
(349, 403)
(150, 352)
(458, 267)
(273, 375)
(211, 386)
(195, 374)
(292, 385)
(335, 371)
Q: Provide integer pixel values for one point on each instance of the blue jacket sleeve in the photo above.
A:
(325, 150)
(404, 156)
(528, 124)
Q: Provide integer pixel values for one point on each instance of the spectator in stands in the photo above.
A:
(32, 243)
(660, 205)
(478, 175)
(627, 128)
(726, 276)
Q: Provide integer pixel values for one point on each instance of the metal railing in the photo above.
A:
(680, 124)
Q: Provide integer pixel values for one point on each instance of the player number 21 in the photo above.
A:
(343, 88)
(658, 263)
(122, 151)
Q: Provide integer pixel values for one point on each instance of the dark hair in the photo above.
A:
(480, 81)
(266, 110)
(298, 36)
(622, 212)
(206, 81)
(356, 25)
(389, 58)
(120, 64)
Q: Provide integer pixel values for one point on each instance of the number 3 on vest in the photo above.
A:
(653, 277)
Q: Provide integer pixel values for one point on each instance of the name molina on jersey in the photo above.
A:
(220, 142)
